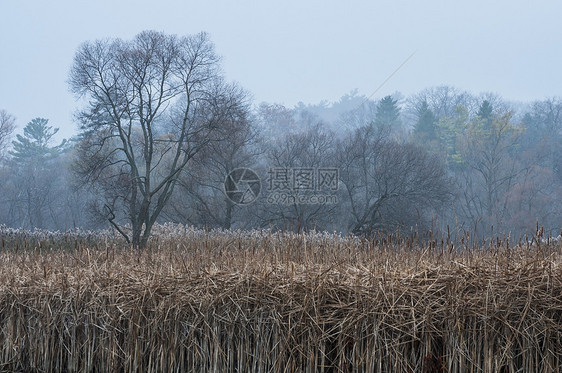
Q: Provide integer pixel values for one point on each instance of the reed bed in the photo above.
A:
(259, 301)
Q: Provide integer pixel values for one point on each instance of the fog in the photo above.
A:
(466, 94)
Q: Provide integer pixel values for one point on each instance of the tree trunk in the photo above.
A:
(136, 235)
(228, 216)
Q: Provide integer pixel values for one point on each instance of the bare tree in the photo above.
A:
(488, 169)
(442, 101)
(388, 184)
(543, 133)
(152, 108)
(304, 152)
(6, 129)
(276, 120)
(202, 200)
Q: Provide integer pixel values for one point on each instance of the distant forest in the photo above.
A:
(499, 166)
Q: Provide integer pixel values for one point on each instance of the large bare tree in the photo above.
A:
(152, 106)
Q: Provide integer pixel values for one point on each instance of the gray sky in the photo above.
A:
(295, 50)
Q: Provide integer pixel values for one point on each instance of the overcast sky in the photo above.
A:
(295, 50)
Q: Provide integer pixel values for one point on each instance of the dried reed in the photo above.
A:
(215, 301)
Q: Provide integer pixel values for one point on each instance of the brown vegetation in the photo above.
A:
(277, 302)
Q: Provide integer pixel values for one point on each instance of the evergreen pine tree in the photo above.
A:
(388, 113)
(425, 127)
(33, 146)
(485, 113)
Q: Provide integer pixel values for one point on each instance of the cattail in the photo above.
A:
(254, 301)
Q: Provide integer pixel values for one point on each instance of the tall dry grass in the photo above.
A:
(214, 301)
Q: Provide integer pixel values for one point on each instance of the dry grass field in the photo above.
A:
(214, 301)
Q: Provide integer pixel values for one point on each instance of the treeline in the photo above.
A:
(440, 157)
(160, 149)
